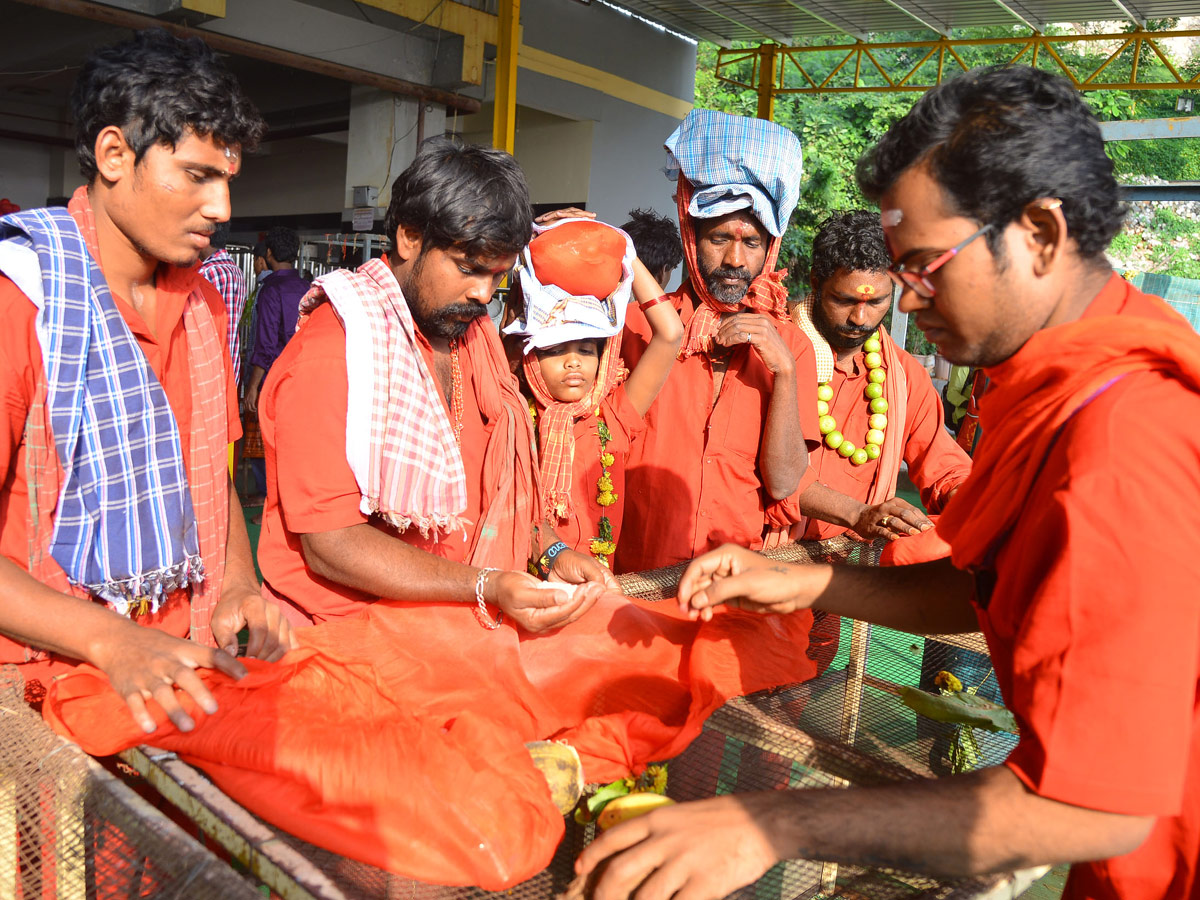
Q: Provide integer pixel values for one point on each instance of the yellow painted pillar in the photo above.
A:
(766, 81)
(504, 120)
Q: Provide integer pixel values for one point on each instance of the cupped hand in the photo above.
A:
(537, 606)
(760, 333)
(573, 567)
(146, 664)
(891, 519)
(691, 851)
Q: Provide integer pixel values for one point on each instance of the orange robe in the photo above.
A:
(692, 481)
(21, 369)
(1079, 521)
(396, 737)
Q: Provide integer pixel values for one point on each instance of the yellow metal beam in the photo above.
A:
(214, 8)
(766, 82)
(504, 119)
(801, 61)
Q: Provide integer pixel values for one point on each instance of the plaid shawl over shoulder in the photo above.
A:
(124, 527)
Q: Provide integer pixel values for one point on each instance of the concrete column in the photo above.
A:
(384, 132)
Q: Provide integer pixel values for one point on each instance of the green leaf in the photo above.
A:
(960, 709)
(609, 792)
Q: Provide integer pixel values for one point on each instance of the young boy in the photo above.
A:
(576, 277)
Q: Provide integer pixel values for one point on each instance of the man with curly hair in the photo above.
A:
(116, 506)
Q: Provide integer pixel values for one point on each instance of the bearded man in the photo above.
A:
(400, 460)
(724, 440)
(870, 394)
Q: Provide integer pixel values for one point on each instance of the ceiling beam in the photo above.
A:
(924, 18)
(830, 19)
(1033, 24)
(652, 12)
(657, 17)
(110, 15)
(1139, 21)
(763, 31)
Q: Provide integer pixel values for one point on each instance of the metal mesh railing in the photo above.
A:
(846, 727)
(70, 830)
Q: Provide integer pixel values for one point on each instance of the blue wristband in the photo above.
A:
(552, 552)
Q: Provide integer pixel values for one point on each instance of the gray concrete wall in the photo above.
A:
(627, 138)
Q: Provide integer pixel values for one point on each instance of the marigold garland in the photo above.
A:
(602, 546)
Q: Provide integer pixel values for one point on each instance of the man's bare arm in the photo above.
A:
(928, 598)
(141, 663)
(366, 559)
(987, 821)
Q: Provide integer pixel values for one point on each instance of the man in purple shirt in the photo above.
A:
(277, 308)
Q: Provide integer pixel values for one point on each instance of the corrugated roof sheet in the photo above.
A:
(790, 22)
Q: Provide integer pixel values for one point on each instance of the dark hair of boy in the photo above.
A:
(157, 88)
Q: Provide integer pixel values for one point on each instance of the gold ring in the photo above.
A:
(883, 523)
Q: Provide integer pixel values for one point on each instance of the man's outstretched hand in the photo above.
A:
(734, 576)
(691, 851)
(146, 664)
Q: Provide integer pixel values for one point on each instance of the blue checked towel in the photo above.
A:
(736, 163)
(125, 529)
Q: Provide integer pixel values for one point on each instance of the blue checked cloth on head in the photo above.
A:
(124, 528)
(736, 163)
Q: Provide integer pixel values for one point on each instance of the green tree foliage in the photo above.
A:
(836, 129)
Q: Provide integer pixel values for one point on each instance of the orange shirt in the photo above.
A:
(936, 463)
(1094, 627)
(625, 426)
(692, 481)
(21, 369)
(310, 486)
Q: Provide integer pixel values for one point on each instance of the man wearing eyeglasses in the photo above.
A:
(1072, 541)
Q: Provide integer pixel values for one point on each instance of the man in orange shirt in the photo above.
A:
(400, 460)
(868, 392)
(725, 438)
(898, 420)
(1072, 541)
(116, 507)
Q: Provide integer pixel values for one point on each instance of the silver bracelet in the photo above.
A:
(481, 610)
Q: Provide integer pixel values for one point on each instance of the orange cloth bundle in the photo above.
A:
(397, 737)
(582, 258)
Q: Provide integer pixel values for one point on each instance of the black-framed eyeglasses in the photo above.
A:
(918, 282)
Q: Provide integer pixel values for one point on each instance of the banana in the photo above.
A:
(630, 806)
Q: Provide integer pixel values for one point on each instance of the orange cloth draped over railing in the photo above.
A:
(397, 737)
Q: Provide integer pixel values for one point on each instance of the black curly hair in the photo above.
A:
(461, 195)
(998, 138)
(852, 241)
(157, 88)
(656, 239)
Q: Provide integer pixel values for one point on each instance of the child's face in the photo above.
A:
(569, 369)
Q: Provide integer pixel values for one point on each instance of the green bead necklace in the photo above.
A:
(877, 424)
